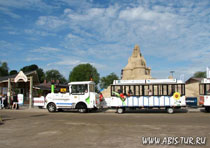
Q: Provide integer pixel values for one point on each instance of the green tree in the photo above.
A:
(53, 75)
(41, 74)
(84, 72)
(29, 68)
(4, 69)
(13, 72)
(200, 74)
(33, 67)
(108, 80)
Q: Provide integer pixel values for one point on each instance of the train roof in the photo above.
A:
(205, 80)
(81, 82)
(148, 81)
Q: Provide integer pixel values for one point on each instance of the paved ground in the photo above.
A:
(38, 128)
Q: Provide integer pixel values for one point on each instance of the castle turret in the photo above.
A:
(136, 68)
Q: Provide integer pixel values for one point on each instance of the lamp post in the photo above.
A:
(172, 72)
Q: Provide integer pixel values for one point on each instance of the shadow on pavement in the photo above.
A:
(75, 111)
(156, 111)
(128, 111)
(40, 115)
(204, 111)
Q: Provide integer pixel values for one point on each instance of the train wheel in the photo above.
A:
(51, 107)
(120, 110)
(170, 110)
(207, 108)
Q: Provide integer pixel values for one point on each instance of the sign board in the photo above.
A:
(63, 90)
(39, 101)
(205, 80)
(129, 81)
(161, 81)
(20, 99)
(20, 76)
(191, 101)
(153, 81)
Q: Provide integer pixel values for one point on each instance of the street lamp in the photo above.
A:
(172, 72)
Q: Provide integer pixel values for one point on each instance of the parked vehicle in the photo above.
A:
(81, 96)
(39, 101)
(205, 93)
(159, 93)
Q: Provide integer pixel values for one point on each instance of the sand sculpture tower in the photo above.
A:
(136, 68)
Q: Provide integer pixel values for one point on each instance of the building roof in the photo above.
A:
(193, 79)
(47, 86)
(82, 82)
(30, 73)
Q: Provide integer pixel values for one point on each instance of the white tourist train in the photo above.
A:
(160, 93)
(81, 96)
(205, 93)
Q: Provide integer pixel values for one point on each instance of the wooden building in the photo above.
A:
(21, 83)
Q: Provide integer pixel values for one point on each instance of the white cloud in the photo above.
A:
(71, 36)
(51, 22)
(67, 62)
(32, 58)
(48, 50)
(81, 4)
(27, 4)
(106, 34)
(9, 13)
(67, 11)
(13, 33)
(5, 45)
(38, 32)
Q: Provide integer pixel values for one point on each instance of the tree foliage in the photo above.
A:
(33, 67)
(29, 68)
(53, 75)
(84, 72)
(200, 74)
(108, 80)
(41, 74)
(3, 69)
(13, 72)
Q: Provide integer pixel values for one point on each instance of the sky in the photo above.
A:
(173, 35)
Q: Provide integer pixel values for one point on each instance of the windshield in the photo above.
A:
(79, 89)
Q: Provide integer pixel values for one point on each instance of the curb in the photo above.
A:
(194, 110)
(106, 110)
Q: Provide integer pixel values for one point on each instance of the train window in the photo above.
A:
(150, 90)
(208, 89)
(155, 90)
(165, 90)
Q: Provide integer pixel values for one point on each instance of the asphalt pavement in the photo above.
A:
(26, 128)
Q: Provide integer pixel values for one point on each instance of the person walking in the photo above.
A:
(15, 101)
(5, 102)
(1, 101)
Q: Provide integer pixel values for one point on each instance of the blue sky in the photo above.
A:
(60, 34)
